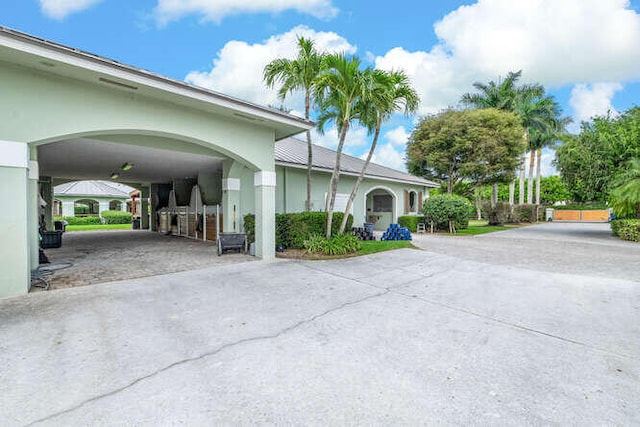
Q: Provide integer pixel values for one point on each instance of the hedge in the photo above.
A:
(116, 217)
(626, 229)
(293, 229)
(581, 207)
(79, 220)
(411, 222)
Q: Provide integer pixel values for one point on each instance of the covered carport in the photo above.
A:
(73, 115)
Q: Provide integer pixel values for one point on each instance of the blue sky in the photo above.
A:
(586, 52)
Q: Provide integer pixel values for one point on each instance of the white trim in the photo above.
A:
(231, 184)
(264, 179)
(14, 154)
(34, 170)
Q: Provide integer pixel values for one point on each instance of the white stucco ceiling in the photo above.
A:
(79, 159)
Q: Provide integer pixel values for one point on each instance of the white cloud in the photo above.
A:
(356, 139)
(390, 151)
(237, 69)
(388, 155)
(397, 137)
(553, 42)
(593, 100)
(59, 9)
(216, 10)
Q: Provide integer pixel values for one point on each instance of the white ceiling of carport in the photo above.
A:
(80, 159)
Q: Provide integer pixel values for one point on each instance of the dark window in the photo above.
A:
(412, 202)
(383, 203)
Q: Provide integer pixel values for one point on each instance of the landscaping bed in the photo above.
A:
(368, 247)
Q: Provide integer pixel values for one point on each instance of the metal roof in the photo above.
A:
(293, 152)
(93, 188)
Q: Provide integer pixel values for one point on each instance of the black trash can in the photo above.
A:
(135, 224)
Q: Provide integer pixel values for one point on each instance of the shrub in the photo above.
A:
(526, 213)
(582, 207)
(499, 214)
(79, 220)
(292, 229)
(116, 217)
(337, 245)
(250, 227)
(410, 221)
(626, 229)
(440, 211)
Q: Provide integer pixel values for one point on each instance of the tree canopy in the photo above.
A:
(480, 146)
(593, 160)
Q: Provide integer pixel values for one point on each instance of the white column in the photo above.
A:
(265, 210)
(104, 206)
(34, 211)
(14, 224)
(144, 208)
(67, 207)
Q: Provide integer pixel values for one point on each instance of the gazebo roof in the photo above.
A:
(93, 189)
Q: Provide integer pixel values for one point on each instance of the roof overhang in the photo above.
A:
(377, 178)
(52, 58)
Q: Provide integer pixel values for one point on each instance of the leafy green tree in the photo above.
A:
(386, 93)
(591, 161)
(339, 93)
(478, 146)
(297, 74)
(502, 95)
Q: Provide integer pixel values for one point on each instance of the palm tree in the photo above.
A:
(296, 74)
(502, 95)
(339, 92)
(546, 138)
(387, 93)
(539, 114)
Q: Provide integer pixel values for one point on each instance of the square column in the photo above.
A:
(68, 208)
(144, 208)
(34, 211)
(265, 210)
(14, 232)
(231, 205)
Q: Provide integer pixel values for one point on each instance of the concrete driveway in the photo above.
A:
(437, 336)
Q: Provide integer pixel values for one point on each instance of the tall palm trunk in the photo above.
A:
(307, 102)
(538, 176)
(512, 192)
(335, 177)
(356, 186)
(525, 136)
(521, 184)
(532, 160)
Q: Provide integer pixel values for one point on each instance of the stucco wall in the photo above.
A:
(291, 192)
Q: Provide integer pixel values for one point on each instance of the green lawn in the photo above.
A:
(481, 227)
(99, 227)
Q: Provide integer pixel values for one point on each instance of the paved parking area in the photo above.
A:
(406, 337)
(104, 256)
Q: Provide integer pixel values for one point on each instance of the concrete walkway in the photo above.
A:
(403, 337)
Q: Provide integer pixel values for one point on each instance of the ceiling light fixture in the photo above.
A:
(126, 166)
(115, 175)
